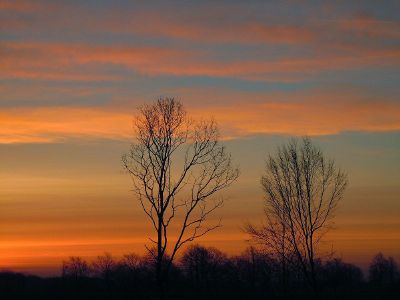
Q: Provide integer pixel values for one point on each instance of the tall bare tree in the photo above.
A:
(302, 189)
(177, 166)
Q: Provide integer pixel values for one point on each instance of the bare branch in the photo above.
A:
(169, 193)
(302, 189)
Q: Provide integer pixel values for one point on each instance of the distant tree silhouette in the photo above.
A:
(133, 262)
(341, 279)
(207, 269)
(200, 262)
(103, 266)
(75, 272)
(383, 271)
(273, 236)
(169, 193)
(255, 273)
(75, 267)
(204, 273)
(302, 189)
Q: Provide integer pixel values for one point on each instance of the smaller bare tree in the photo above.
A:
(177, 166)
(302, 189)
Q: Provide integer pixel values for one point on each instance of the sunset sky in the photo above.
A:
(72, 75)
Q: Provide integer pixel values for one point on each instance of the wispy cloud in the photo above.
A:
(312, 112)
(87, 62)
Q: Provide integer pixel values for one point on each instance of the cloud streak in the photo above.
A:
(49, 61)
(311, 113)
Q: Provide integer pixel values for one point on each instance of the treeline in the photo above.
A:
(205, 273)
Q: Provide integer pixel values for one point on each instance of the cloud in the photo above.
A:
(202, 22)
(51, 61)
(311, 112)
(369, 26)
(306, 118)
(21, 6)
(247, 32)
(54, 61)
(48, 125)
(198, 24)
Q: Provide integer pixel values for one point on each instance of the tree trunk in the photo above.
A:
(159, 271)
(314, 283)
(284, 278)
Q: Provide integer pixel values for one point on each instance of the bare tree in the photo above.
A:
(383, 271)
(302, 189)
(170, 192)
(75, 267)
(103, 266)
(205, 268)
(133, 262)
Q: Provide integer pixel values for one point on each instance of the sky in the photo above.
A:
(73, 73)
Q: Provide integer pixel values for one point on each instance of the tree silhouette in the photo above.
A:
(204, 273)
(302, 189)
(200, 263)
(208, 271)
(170, 192)
(133, 262)
(254, 271)
(383, 271)
(75, 267)
(103, 266)
(340, 278)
